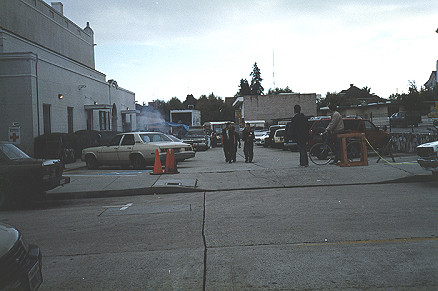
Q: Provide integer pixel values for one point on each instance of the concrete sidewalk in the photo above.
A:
(272, 168)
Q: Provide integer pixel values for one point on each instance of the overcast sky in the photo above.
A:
(161, 49)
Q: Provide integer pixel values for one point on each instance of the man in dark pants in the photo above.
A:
(236, 142)
(228, 142)
(300, 134)
(248, 146)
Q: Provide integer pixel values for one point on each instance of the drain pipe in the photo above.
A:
(37, 95)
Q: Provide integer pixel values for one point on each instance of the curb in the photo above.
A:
(179, 189)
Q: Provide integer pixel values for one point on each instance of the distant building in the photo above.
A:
(271, 108)
(48, 80)
(362, 95)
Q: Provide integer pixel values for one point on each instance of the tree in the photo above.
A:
(243, 88)
(277, 91)
(256, 81)
(214, 109)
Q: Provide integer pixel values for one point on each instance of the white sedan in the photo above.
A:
(136, 149)
(428, 156)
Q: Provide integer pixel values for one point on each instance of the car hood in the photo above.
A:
(8, 237)
(170, 144)
(433, 145)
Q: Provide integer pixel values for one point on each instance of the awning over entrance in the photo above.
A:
(98, 107)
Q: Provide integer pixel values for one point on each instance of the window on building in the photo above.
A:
(46, 118)
(104, 120)
(70, 119)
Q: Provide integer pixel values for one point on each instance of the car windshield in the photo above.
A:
(154, 137)
(173, 138)
(12, 152)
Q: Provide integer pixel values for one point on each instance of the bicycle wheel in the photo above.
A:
(353, 150)
(321, 154)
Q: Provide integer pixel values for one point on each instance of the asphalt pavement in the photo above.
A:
(207, 172)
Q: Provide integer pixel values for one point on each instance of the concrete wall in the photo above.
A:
(269, 107)
(367, 112)
(38, 22)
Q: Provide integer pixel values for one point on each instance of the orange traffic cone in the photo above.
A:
(158, 170)
(170, 163)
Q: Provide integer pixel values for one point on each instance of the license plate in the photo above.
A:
(35, 277)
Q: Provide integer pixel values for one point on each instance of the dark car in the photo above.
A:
(404, 119)
(26, 178)
(378, 138)
(20, 263)
(55, 145)
(197, 138)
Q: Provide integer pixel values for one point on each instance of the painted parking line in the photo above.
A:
(122, 207)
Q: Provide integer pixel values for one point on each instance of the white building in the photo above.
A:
(48, 81)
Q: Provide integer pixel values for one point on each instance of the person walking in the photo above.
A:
(300, 134)
(236, 143)
(228, 142)
(248, 146)
(335, 127)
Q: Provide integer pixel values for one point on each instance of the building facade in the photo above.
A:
(274, 107)
(48, 80)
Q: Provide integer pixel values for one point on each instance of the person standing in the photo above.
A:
(248, 146)
(236, 142)
(300, 134)
(227, 142)
(335, 127)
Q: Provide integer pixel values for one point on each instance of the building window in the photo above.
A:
(70, 119)
(104, 120)
(46, 118)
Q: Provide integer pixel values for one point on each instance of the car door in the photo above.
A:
(371, 133)
(108, 154)
(125, 148)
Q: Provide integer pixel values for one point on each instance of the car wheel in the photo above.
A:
(138, 162)
(91, 162)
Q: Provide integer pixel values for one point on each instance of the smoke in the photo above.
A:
(150, 119)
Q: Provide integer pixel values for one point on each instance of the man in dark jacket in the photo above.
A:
(248, 146)
(236, 143)
(228, 142)
(300, 134)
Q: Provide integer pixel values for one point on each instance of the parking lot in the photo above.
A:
(264, 225)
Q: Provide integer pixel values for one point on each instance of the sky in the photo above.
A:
(164, 49)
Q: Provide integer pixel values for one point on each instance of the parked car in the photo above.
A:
(260, 140)
(136, 149)
(428, 156)
(404, 119)
(258, 135)
(20, 262)
(197, 138)
(279, 138)
(272, 129)
(26, 178)
(55, 145)
(377, 137)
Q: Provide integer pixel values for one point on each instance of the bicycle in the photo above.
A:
(322, 153)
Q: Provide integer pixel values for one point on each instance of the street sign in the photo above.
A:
(14, 134)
